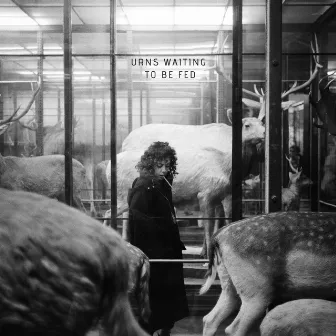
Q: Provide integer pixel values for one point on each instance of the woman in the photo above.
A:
(154, 230)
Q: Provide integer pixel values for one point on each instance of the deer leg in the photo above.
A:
(253, 285)
(204, 248)
(207, 211)
(228, 301)
(219, 212)
(251, 310)
(227, 206)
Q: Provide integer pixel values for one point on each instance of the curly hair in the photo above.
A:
(157, 152)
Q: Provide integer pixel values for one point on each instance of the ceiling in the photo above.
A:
(144, 27)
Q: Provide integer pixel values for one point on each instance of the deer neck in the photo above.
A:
(294, 188)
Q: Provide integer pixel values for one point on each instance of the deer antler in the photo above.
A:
(31, 124)
(295, 170)
(318, 66)
(220, 69)
(12, 118)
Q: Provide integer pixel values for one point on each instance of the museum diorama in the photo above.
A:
(168, 167)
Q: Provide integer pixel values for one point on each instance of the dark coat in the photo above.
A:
(153, 229)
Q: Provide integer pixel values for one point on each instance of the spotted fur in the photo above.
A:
(270, 258)
(308, 317)
(61, 272)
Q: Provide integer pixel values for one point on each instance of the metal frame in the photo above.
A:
(68, 102)
(93, 141)
(318, 136)
(221, 85)
(237, 109)
(39, 99)
(113, 112)
(273, 121)
(16, 126)
(273, 184)
(129, 37)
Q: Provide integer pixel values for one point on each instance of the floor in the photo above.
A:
(193, 326)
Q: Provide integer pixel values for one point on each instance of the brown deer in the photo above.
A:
(270, 258)
(62, 272)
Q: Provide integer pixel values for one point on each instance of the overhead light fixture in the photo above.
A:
(45, 47)
(17, 21)
(26, 72)
(11, 48)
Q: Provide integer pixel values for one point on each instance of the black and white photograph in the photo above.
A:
(167, 167)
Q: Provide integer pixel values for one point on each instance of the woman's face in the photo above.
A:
(162, 168)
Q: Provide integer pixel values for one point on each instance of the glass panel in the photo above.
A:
(171, 82)
(174, 71)
(253, 154)
(92, 125)
(18, 79)
(326, 109)
(308, 14)
(187, 28)
(91, 43)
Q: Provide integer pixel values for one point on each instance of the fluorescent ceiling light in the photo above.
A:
(11, 48)
(26, 72)
(14, 52)
(17, 21)
(45, 47)
(81, 72)
(55, 76)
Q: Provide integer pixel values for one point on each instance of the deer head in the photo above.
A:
(296, 177)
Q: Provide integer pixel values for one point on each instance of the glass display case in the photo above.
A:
(127, 73)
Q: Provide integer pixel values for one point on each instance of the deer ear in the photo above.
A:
(229, 115)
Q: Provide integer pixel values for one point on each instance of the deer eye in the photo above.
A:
(247, 126)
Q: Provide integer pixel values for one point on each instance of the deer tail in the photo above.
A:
(212, 268)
